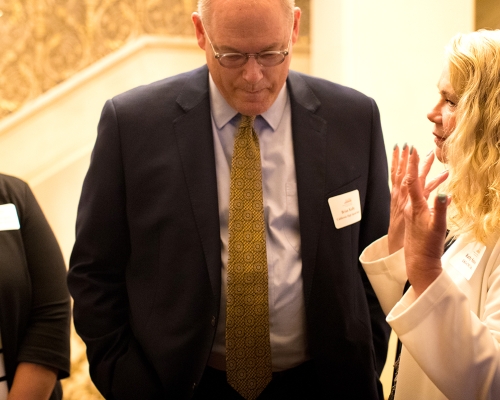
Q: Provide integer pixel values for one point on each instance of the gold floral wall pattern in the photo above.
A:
(44, 42)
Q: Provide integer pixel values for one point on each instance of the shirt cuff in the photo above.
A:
(386, 272)
(376, 260)
(412, 309)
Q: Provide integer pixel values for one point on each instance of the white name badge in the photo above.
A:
(8, 217)
(345, 208)
(467, 260)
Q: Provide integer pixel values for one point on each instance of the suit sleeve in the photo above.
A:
(96, 278)
(46, 339)
(374, 225)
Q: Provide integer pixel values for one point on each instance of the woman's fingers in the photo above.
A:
(425, 167)
(438, 218)
(394, 163)
(434, 183)
(418, 200)
(399, 196)
(423, 172)
(424, 229)
(412, 180)
(398, 167)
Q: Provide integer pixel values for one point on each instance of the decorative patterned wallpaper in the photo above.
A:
(43, 42)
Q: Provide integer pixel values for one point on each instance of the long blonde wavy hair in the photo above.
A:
(473, 149)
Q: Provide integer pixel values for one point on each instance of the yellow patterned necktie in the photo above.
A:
(248, 348)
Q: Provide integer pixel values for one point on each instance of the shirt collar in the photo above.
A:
(223, 113)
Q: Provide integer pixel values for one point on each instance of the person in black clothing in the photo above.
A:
(34, 299)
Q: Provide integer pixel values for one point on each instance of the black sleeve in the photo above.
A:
(374, 225)
(46, 340)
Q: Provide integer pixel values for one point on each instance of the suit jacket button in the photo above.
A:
(213, 320)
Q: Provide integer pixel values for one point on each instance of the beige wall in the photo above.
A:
(391, 50)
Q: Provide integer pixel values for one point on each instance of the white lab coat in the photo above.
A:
(451, 333)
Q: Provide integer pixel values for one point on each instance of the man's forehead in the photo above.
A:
(223, 9)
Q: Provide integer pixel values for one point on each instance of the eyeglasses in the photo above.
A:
(264, 58)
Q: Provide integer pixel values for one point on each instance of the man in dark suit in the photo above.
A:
(149, 268)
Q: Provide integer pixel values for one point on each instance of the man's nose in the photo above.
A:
(252, 70)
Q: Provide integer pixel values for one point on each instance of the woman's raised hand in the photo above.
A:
(425, 228)
(399, 192)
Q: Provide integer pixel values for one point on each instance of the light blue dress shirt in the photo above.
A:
(281, 212)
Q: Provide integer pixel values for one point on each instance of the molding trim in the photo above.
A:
(104, 64)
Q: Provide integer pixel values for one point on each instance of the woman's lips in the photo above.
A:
(438, 139)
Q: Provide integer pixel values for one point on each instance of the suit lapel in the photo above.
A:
(195, 141)
(309, 144)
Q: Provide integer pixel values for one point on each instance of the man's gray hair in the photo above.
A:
(204, 9)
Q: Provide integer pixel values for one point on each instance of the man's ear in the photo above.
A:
(199, 30)
(297, 12)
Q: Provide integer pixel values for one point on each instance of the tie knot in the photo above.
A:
(247, 121)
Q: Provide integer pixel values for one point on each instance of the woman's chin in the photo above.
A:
(439, 153)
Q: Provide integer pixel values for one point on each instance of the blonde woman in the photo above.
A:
(449, 319)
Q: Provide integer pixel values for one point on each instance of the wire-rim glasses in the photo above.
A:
(264, 58)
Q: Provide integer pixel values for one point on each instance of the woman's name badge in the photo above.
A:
(467, 260)
(345, 208)
(8, 217)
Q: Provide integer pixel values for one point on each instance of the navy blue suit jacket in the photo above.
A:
(145, 271)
